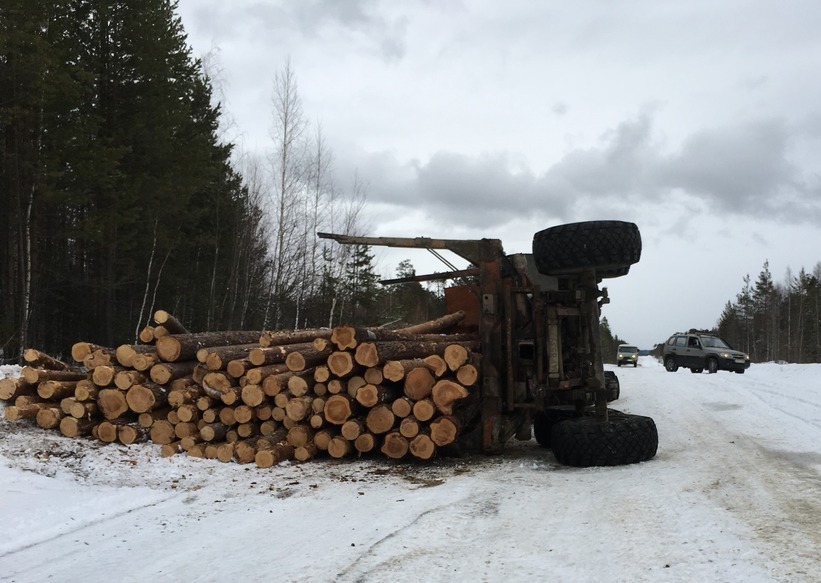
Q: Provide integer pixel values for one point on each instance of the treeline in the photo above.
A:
(119, 196)
(776, 321)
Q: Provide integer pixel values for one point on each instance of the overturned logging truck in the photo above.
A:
(537, 319)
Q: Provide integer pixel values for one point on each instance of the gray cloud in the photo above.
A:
(742, 170)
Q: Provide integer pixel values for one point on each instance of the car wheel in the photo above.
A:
(712, 366)
(635, 364)
(618, 364)
(609, 247)
(696, 370)
(670, 364)
(622, 439)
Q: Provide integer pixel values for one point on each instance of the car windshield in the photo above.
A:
(714, 342)
(627, 349)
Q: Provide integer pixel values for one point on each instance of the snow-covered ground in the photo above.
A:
(734, 494)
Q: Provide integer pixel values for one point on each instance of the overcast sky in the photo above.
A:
(699, 121)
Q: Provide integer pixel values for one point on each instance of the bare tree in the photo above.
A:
(288, 171)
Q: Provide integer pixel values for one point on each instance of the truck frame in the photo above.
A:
(536, 316)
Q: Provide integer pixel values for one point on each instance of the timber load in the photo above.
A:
(262, 396)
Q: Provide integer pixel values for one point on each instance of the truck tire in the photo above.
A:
(611, 382)
(544, 421)
(609, 247)
(622, 439)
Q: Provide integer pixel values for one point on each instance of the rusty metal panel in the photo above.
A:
(464, 298)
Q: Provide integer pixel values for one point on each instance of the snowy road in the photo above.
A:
(734, 494)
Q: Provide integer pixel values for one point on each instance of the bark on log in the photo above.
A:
(124, 379)
(380, 419)
(395, 370)
(165, 372)
(143, 361)
(14, 387)
(38, 375)
(371, 354)
(131, 433)
(171, 449)
(99, 357)
(73, 427)
(446, 393)
(184, 396)
(256, 375)
(274, 384)
(83, 410)
(437, 325)
(125, 353)
(169, 322)
(82, 350)
(184, 346)
(146, 335)
(56, 390)
(218, 357)
(275, 354)
(395, 446)
(307, 357)
(213, 432)
(186, 413)
(305, 452)
(267, 457)
(272, 338)
(238, 367)
(370, 395)
(18, 412)
(86, 390)
(38, 359)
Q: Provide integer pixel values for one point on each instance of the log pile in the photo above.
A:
(262, 396)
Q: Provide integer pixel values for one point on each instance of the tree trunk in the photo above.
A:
(165, 372)
(380, 419)
(418, 383)
(395, 446)
(125, 353)
(185, 346)
(424, 410)
(402, 407)
(446, 393)
(445, 430)
(422, 447)
(112, 403)
(170, 323)
(338, 408)
(38, 359)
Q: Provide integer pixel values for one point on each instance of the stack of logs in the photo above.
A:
(262, 396)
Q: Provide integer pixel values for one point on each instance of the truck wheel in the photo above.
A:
(544, 421)
(609, 247)
(670, 364)
(611, 383)
(622, 439)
